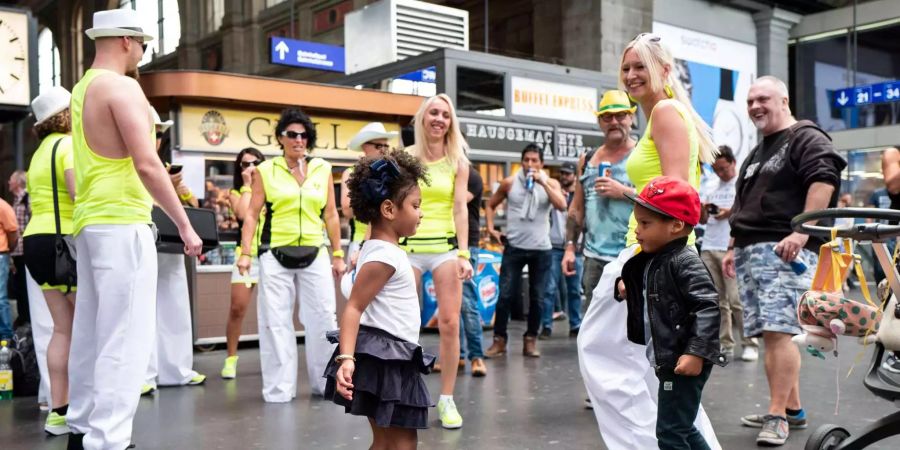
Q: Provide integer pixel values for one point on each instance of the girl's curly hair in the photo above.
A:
(366, 200)
(59, 123)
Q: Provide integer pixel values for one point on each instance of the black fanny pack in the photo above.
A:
(295, 256)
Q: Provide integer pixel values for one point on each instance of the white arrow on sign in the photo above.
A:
(281, 48)
(842, 100)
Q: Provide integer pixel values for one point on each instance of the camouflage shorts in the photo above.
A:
(769, 289)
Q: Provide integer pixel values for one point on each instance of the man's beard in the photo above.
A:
(567, 184)
(133, 73)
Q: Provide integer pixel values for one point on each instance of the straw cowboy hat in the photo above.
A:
(370, 132)
(117, 22)
(614, 101)
(158, 122)
(50, 103)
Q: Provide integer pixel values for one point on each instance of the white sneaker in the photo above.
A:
(749, 354)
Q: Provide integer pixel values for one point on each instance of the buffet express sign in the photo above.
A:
(225, 130)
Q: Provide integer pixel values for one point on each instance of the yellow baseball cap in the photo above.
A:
(614, 101)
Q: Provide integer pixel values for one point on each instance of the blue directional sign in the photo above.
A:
(865, 95)
(313, 55)
(426, 75)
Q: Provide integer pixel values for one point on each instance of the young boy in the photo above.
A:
(672, 307)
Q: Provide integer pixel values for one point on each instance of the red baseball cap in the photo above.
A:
(671, 197)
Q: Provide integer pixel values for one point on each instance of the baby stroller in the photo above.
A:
(835, 437)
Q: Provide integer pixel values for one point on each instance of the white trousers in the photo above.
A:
(41, 332)
(172, 354)
(620, 382)
(115, 317)
(279, 288)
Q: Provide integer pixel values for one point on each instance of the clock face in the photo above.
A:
(14, 82)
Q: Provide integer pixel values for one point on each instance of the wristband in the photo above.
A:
(338, 253)
(246, 190)
(463, 254)
(187, 196)
(340, 358)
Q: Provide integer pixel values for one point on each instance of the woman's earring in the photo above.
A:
(633, 101)
(668, 90)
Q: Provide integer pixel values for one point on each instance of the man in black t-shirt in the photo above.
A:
(471, 316)
(794, 169)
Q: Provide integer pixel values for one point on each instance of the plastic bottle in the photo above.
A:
(529, 180)
(798, 265)
(6, 374)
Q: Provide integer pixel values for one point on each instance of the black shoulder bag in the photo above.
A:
(59, 269)
(297, 256)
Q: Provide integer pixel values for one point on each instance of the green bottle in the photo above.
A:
(6, 374)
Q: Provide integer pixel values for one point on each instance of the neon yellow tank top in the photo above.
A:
(643, 165)
(109, 190)
(359, 228)
(283, 202)
(40, 187)
(254, 246)
(437, 210)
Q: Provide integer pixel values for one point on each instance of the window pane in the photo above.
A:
(48, 61)
(480, 91)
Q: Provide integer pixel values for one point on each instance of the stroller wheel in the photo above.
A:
(826, 437)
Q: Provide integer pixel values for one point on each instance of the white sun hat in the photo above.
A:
(163, 126)
(117, 22)
(370, 132)
(50, 103)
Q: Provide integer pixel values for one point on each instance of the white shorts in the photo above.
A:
(252, 277)
(428, 262)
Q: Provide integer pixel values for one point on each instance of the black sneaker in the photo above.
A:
(891, 363)
(545, 334)
(75, 441)
(573, 333)
(774, 431)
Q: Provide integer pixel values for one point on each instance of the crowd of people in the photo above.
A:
(611, 243)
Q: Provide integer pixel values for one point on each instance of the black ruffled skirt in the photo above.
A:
(387, 382)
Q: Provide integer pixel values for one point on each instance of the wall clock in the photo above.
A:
(15, 83)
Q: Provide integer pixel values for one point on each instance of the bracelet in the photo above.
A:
(463, 254)
(246, 190)
(340, 358)
(338, 253)
(186, 197)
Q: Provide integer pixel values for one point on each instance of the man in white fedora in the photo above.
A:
(372, 141)
(118, 178)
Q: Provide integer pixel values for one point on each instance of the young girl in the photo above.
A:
(376, 369)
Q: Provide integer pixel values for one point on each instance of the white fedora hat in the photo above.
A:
(117, 22)
(370, 132)
(159, 122)
(50, 103)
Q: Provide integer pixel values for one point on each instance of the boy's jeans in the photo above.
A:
(679, 401)
(470, 333)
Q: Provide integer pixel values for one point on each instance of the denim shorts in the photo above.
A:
(769, 288)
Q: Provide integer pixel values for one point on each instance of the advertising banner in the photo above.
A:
(545, 99)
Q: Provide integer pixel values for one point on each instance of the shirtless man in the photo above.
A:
(117, 173)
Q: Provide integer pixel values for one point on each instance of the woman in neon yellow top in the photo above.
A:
(674, 143)
(298, 193)
(241, 285)
(442, 148)
(372, 141)
(54, 124)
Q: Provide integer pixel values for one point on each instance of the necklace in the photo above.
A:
(297, 169)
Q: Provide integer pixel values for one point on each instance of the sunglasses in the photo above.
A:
(653, 37)
(618, 116)
(379, 147)
(141, 43)
(295, 134)
(246, 164)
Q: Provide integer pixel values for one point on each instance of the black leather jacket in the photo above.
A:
(684, 309)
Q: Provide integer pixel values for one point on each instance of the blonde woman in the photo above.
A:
(440, 244)
(620, 381)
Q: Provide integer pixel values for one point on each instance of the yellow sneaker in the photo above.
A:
(229, 370)
(450, 417)
(148, 389)
(56, 424)
(197, 380)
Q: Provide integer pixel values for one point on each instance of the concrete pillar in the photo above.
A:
(772, 31)
(597, 31)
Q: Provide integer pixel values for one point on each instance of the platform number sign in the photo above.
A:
(865, 95)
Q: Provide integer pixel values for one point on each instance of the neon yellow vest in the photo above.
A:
(437, 210)
(109, 190)
(40, 187)
(643, 165)
(284, 213)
